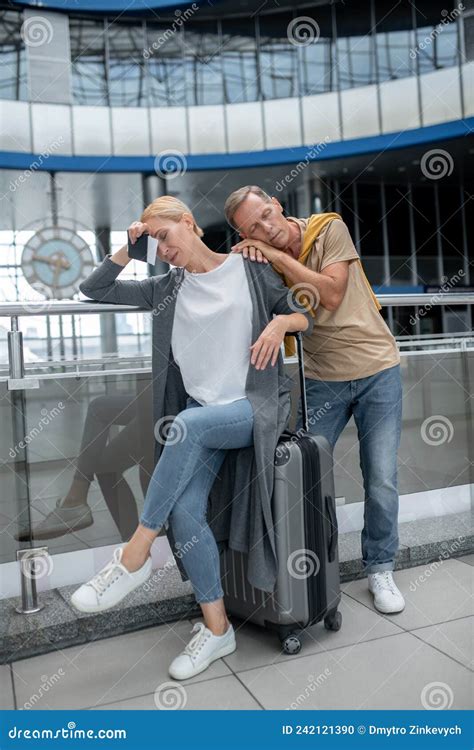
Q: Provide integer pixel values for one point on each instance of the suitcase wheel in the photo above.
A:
(290, 643)
(333, 620)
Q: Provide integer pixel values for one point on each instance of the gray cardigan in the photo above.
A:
(239, 507)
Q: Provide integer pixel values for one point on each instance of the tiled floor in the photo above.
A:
(416, 659)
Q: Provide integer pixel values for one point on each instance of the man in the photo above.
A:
(352, 363)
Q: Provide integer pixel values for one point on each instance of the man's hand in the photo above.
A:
(259, 251)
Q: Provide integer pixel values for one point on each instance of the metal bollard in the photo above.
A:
(31, 568)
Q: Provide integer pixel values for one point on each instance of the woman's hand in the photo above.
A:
(136, 229)
(269, 342)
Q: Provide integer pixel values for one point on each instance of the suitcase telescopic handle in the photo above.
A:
(304, 402)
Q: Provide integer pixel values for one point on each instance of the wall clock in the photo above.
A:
(55, 260)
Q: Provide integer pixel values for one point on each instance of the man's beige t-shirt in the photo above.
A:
(353, 341)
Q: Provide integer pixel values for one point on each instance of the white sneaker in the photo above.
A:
(387, 598)
(110, 585)
(201, 651)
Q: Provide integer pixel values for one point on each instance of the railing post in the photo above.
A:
(467, 386)
(29, 572)
(17, 380)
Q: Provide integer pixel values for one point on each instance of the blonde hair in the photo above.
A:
(236, 198)
(169, 207)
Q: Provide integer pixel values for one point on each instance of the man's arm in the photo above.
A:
(326, 288)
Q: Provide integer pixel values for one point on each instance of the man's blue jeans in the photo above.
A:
(376, 404)
(195, 448)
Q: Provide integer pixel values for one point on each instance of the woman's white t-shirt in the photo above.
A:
(212, 332)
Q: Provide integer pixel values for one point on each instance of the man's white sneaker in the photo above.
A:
(110, 585)
(387, 598)
(201, 651)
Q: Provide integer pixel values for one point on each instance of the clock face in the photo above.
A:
(55, 261)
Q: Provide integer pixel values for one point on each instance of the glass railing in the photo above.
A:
(77, 420)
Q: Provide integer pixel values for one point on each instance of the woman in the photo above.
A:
(207, 309)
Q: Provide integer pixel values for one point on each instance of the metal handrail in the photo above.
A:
(75, 307)
(421, 300)
(17, 370)
(62, 307)
(455, 342)
(434, 336)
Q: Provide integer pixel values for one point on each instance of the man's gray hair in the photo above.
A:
(236, 198)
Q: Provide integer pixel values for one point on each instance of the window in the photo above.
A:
(239, 61)
(278, 57)
(165, 63)
(394, 42)
(436, 36)
(316, 60)
(12, 57)
(468, 21)
(127, 85)
(451, 231)
(347, 208)
(426, 241)
(89, 78)
(355, 49)
(397, 216)
(203, 71)
(369, 211)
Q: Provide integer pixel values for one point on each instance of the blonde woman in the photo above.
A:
(218, 325)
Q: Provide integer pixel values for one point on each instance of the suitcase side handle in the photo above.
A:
(304, 403)
(333, 534)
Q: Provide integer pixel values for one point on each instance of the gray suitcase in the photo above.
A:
(307, 589)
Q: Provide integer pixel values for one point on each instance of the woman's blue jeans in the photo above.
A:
(375, 403)
(178, 491)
